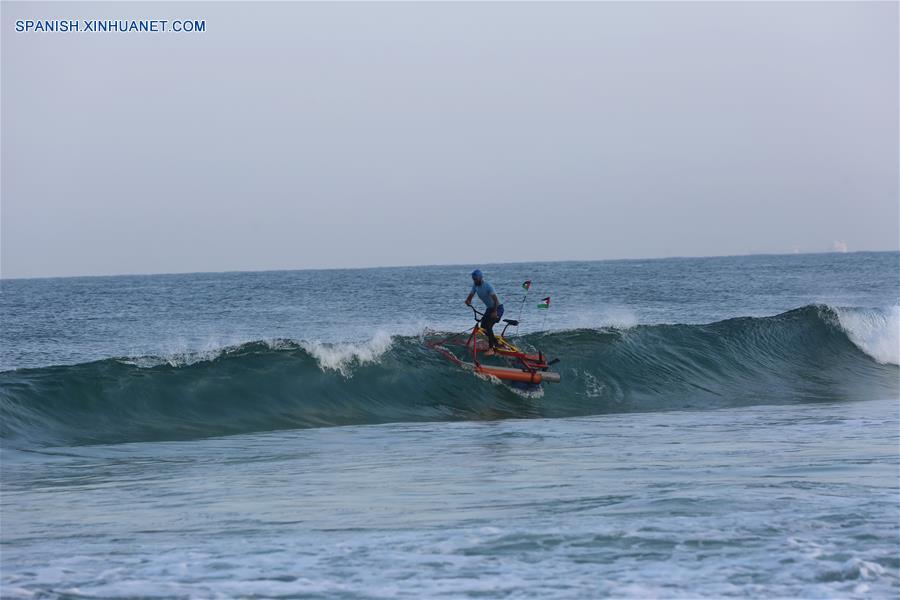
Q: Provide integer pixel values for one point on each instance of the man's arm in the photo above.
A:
(496, 304)
(469, 298)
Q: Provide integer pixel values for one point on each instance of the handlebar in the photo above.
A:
(478, 314)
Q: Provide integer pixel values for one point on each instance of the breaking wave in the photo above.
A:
(810, 354)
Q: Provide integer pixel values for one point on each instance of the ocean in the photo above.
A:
(724, 427)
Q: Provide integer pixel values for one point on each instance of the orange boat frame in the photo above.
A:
(533, 368)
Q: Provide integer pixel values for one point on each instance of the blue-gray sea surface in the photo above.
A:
(724, 427)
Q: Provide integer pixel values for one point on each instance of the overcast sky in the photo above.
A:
(296, 135)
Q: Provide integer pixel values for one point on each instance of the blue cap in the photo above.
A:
(476, 274)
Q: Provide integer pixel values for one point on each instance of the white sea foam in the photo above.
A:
(175, 359)
(280, 344)
(533, 393)
(618, 317)
(181, 356)
(593, 387)
(857, 568)
(335, 356)
(341, 357)
(182, 353)
(875, 331)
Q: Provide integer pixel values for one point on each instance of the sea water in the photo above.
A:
(724, 427)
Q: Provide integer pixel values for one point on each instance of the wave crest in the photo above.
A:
(875, 331)
(343, 357)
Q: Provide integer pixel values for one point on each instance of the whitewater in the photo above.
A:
(724, 427)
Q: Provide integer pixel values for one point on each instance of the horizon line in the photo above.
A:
(518, 262)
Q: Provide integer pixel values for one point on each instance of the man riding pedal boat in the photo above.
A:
(493, 310)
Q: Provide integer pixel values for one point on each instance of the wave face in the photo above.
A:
(814, 353)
